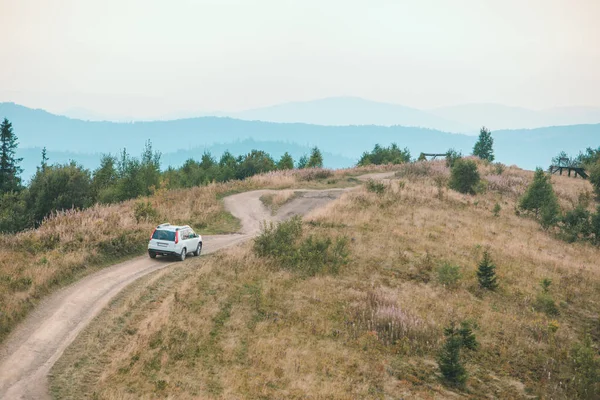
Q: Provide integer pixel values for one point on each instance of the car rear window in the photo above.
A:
(164, 235)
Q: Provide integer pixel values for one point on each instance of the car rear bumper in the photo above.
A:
(162, 252)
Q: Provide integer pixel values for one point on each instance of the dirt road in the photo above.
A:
(36, 344)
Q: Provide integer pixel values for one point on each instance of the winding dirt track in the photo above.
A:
(36, 344)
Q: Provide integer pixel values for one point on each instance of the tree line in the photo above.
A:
(56, 187)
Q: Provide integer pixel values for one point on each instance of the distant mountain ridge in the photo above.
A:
(346, 111)
(343, 145)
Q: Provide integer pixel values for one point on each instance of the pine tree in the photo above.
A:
(484, 148)
(316, 159)
(449, 360)
(10, 180)
(302, 161)
(286, 162)
(540, 197)
(45, 159)
(486, 273)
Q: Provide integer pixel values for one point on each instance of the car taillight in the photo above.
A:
(152, 235)
(176, 237)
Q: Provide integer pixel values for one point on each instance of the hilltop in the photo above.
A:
(369, 322)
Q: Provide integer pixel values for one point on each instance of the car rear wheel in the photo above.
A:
(152, 255)
(183, 254)
(198, 249)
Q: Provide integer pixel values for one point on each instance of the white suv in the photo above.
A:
(171, 240)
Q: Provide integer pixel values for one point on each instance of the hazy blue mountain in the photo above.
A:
(350, 111)
(180, 139)
(497, 116)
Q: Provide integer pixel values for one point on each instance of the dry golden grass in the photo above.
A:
(274, 201)
(234, 326)
(71, 244)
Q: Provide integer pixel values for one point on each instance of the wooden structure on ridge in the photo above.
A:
(433, 155)
(562, 166)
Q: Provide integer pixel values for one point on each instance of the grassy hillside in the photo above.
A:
(72, 244)
(236, 325)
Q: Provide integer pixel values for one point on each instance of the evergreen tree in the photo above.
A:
(449, 361)
(10, 180)
(285, 162)
(540, 198)
(484, 148)
(105, 180)
(255, 162)
(486, 273)
(228, 167)
(150, 169)
(303, 162)
(316, 159)
(594, 172)
(45, 159)
(59, 187)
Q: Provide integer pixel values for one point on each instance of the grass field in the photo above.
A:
(234, 325)
(72, 244)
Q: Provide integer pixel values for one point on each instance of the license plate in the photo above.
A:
(163, 244)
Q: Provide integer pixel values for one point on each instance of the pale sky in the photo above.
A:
(148, 58)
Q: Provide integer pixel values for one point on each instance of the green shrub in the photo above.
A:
(545, 303)
(385, 155)
(21, 284)
(448, 275)
(594, 172)
(284, 244)
(278, 240)
(587, 370)
(452, 156)
(126, 243)
(545, 284)
(576, 224)
(143, 211)
(595, 225)
(499, 168)
(496, 210)
(464, 177)
(375, 187)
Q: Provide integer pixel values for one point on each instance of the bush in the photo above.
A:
(452, 156)
(496, 210)
(125, 244)
(278, 240)
(283, 243)
(464, 177)
(587, 370)
(545, 303)
(595, 225)
(13, 212)
(385, 155)
(448, 275)
(576, 224)
(375, 187)
(143, 211)
(594, 173)
(486, 273)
